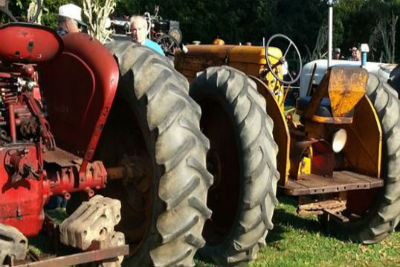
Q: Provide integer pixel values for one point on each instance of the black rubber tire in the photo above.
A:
(394, 79)
(383, 216)
(256, 153)
(169, 121)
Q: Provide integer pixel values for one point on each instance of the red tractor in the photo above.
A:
(76, 116)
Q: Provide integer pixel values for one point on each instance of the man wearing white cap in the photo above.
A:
(69, 19)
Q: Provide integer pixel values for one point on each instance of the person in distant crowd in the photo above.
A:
(355, 54)
(139, 34)
(358, 56)
(336, 53)
(69, 19)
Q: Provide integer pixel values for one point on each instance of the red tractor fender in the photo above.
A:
(79, 87)
(28, 43)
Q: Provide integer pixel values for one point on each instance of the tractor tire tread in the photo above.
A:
(383, 216)
(254, 129)
(160, 94)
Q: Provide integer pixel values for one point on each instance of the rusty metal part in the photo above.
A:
(346, 88)
(318, 207)
(13, 243)
(79, 258)
(130, 167)
(61, 157)
(363, 149)
(340, 181)
(94, 220)
(280, 131)
(329, 214)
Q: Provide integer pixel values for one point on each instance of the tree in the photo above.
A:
(97, 13)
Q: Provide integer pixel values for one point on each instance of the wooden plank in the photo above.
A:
(341, 181)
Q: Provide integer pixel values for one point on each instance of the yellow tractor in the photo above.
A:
(337, 149)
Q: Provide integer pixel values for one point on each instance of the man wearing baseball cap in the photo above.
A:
(69, 19)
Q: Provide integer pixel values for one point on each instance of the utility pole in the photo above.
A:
(330, 29)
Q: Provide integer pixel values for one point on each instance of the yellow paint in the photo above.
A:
(346, 88)
(363, 148)
(249, 59)
(280, 131)
(305, 164)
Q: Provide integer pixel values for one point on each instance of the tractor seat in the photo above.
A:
(324, 109)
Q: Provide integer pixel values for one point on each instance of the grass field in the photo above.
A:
(299, 241)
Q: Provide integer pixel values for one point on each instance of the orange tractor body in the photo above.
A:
(334, 144)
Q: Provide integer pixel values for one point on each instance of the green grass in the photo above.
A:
(299, 241)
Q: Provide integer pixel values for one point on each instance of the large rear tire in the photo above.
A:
(243, 160)
(155, 122)
(382, 217)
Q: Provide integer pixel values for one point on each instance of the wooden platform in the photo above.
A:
(341, 181)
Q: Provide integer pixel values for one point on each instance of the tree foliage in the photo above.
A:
(355, 21)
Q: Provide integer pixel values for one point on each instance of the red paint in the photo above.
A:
(64, 180)
(21, 203)
(29, 43)
(22, 198)
(79, 87)
(323, 160)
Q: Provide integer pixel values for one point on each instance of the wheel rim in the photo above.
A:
(223, 163)
(136, 195)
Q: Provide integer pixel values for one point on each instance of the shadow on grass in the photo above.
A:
(48, 241)
(284, 218)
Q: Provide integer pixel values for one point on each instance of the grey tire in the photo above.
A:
(243, 197)
(383, 215)
(154, 96)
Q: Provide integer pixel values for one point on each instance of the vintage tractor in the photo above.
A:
(75, 117)
(336, 151)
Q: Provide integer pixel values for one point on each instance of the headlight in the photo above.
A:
(339, 140)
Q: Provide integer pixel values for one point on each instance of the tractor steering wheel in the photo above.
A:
(4, 9)
(168, 44)
(289, 59)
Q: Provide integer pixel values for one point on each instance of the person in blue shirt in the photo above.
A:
(139, 32)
